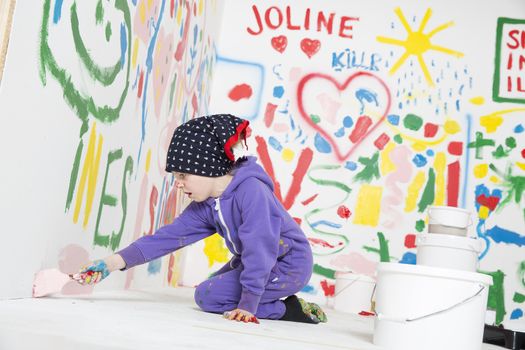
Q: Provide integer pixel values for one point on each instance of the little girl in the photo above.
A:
(272, 258)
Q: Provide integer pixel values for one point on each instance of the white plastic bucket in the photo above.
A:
(448, 220)
(353, 292)
(446, 251)
(423, 307)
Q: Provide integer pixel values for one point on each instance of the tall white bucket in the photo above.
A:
(448, 220)
(423, 307)
(447, 251)
(353, 292)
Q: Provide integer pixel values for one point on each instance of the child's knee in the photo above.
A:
(202, 296)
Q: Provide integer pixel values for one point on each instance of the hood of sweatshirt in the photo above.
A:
(244, 170)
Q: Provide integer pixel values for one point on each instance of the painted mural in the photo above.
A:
(142, 67)
(364, 116)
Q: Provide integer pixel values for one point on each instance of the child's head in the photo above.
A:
(201, 151)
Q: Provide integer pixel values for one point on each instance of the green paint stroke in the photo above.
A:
(521, 273)
(370, 169)
(315, 118)
(514, 186)
(105, 240)
(323, 271)
(383, 251)
(496, 300)
(518, 298)
(412, 122)
(74, 175)
(83, 105)
(398, 139)
(427, 198)
(331, 183)
(172, 91)
(420, 225)
(99, 12)
(479, 143)
(108, 31)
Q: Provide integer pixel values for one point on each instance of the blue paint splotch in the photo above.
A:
(321, 144)
(348, 122)
(340, 132)
(57, 11)
(275, 144)
(419, 160)
(325, 223)
(393, 119)
(278, 91)
(408, 258)
(501, 235)
(516, 313)
(123, 45)
(309, 289)
(154, 266)
(351, 165)
(364, 95)
(518, 129)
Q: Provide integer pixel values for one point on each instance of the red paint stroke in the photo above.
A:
(269, 114)
(181, 46)
(153, 198)
(310, 47)
(489, 202)
(171, 264)
(303, 163)
(453, 184)
(172, 8)
(360, 129)
(297, 220)
(431, 130)
(240, 91)
(381, 141)
(141, 84)
(455, 148)
(195, 8)
(171, 207)
(366, 313)
(328, 289)
(343, 212)
(279, 43)
(327, 136)
(321, 242)
(309, 200)
(195, 103)
(523, 153)
(410, 240)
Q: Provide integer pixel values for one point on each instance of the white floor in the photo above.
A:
(163, 320)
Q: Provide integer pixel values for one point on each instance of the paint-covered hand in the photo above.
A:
(92, 273)
(240, 316)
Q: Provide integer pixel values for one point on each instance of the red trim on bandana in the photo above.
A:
(234, 138)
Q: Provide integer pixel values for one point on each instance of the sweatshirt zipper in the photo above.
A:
(221, 218)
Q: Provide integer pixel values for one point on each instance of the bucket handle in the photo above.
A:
(349, 284)
(404, 320)
(469, 224)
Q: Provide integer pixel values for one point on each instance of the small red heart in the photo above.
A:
(279, 43)
(310, 47)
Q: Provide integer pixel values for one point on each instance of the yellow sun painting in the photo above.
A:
(417, 43)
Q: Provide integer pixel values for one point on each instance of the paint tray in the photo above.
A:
(504, 337)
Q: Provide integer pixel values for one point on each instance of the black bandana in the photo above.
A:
(203, 146)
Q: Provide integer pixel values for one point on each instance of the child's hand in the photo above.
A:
(92, 273)
(240, 315)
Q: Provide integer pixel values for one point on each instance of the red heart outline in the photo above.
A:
(300, 88)
(279, 43)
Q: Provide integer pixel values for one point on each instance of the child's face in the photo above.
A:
(198, 188)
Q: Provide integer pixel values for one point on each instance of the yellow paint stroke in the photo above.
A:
(150, 3)
(491, 123)
(495, 179)
(385, 164)
(288, 155)
(215, 250)
(176, 269)
(478, 100)
(142, 12)
(413, 191)
(483, 212)
(451, 127)
(368, 205)
(201, 7)
(89, 174)
(179, 14)
(481, 170)
(148, 160)
(440, 164)
(521, 165)
(417, 43)
(135, 52)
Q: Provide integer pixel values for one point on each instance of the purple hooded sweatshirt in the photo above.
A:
(255, 226)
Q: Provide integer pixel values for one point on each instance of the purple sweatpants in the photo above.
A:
(222, 291)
